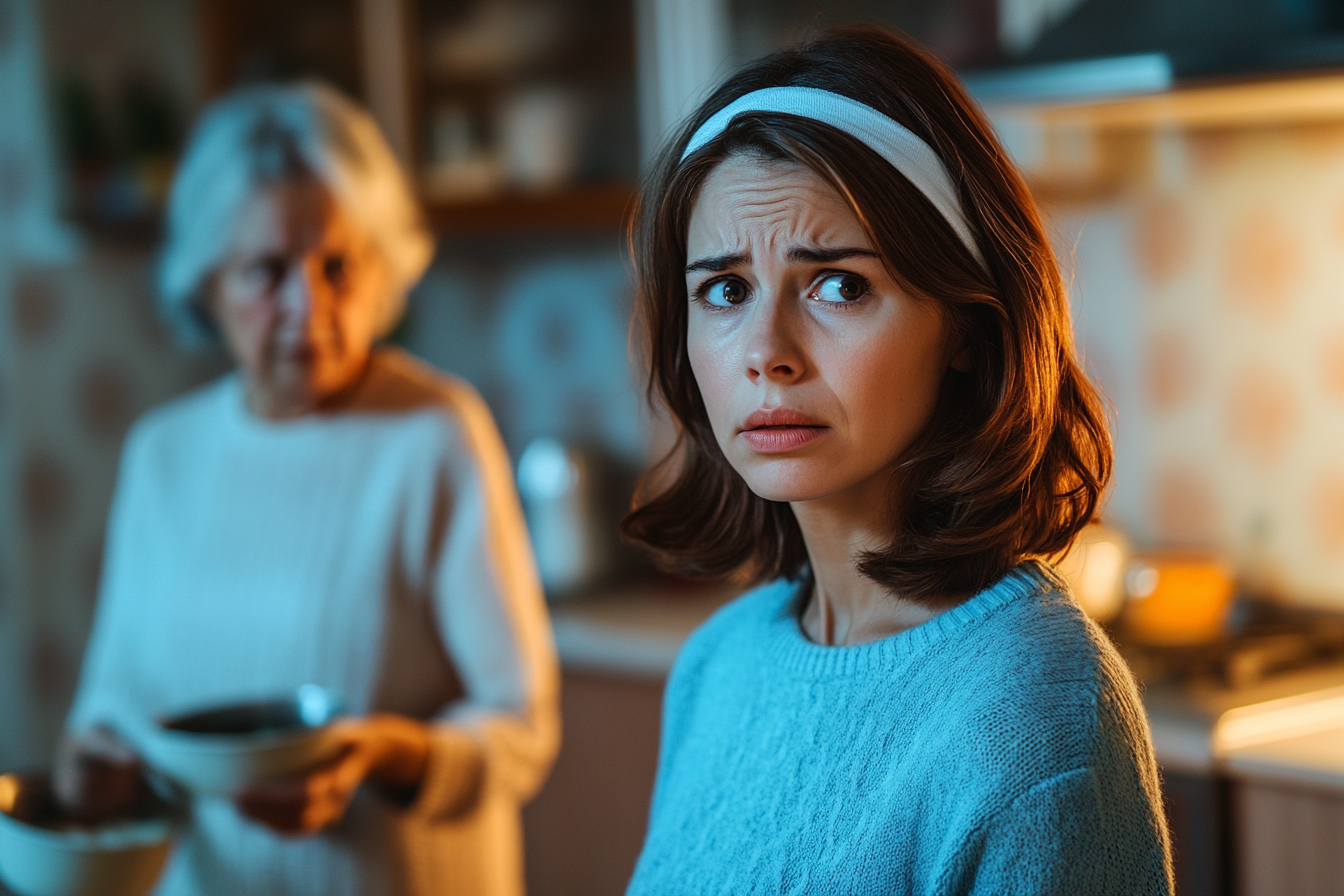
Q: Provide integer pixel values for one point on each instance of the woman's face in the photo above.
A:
(817, 371)
(297, 298)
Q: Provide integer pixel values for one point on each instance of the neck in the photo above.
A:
(846, 607)
(274, 404)
(281, 399)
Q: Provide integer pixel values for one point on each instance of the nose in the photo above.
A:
(302, 293)
(774, 352)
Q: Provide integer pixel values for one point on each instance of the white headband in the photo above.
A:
(892, 141)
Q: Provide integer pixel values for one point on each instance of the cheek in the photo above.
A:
(889, 386)
(357, 311)
(712, 369)
(247, 323)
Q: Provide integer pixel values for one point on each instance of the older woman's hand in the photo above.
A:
(385, 749)
(97, 776)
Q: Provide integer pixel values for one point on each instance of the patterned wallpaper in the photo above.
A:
(1209, 300)
(85, 356)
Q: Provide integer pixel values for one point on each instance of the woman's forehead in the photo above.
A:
(747, 202)
(289, 215)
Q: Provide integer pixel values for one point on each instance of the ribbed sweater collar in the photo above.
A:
(233, 408)
(790, 648)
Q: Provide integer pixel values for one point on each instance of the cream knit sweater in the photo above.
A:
(380, 552)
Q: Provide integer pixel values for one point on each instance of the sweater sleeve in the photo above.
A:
(1061, 839)
(107, 694)
(504, 735)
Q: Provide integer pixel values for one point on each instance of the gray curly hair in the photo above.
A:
(262, 135)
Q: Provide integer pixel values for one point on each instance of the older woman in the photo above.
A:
(330, 513)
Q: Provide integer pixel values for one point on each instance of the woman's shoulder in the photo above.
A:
(1045, 670)
(1043, 636)
(759, 606)
(402, 388)
(398, 382)
(186, 416)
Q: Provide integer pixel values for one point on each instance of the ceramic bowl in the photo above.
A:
(217, 750)
(43, 854)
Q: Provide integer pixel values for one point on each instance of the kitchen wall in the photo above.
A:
(86, 356)
(541, 327)
(81, 355)
(1209, 301)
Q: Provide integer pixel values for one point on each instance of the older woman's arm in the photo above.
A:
(500, 738)
(503, 737)
(97, 774)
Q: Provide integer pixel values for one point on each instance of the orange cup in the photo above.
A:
(1177, 599)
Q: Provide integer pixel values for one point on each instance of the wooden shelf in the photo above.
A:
(1084, 153)
(1297, 99)
(591, 208)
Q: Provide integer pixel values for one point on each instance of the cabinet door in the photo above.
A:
(522, 96)
(246, 41)
(1196, 806)
(584, 830)
(1288, 841)
(964, 33)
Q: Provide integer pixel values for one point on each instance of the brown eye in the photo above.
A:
(335, 268)
(841, 288)
(268, 272)
(725, 293)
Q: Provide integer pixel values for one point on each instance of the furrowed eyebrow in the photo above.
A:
(718, 263)
(822, 256)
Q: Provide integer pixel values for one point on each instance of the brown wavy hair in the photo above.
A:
(1017, 454)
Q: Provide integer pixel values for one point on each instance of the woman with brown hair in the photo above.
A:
(857, 323)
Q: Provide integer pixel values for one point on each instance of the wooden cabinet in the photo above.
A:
(510, 115)
(245, 41)
(583, 832)
(1196, 806)
(964, 33)
(1288, 840)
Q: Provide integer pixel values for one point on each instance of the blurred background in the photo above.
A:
(1188, 156)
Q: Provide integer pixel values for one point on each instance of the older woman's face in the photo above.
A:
(297, 299)
(817, 371)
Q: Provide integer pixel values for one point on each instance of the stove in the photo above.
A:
(1270, 652)
(1265, 640)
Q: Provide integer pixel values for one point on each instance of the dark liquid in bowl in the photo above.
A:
(252, 719)
(35, 804)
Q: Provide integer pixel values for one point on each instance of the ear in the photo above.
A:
(206, 301)
(961, 361)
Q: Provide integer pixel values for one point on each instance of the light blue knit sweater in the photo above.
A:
(997, 749)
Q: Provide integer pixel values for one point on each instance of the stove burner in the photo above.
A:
(1267, 640)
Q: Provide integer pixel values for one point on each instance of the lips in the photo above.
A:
(778, 430)
(304, 354)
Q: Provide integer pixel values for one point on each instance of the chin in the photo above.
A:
(792, 480)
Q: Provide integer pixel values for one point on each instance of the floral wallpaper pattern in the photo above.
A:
(1209, 300)
(85, 356)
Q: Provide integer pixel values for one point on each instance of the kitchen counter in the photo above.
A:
(631, 632)
(1296, 739)
(1289, 728)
